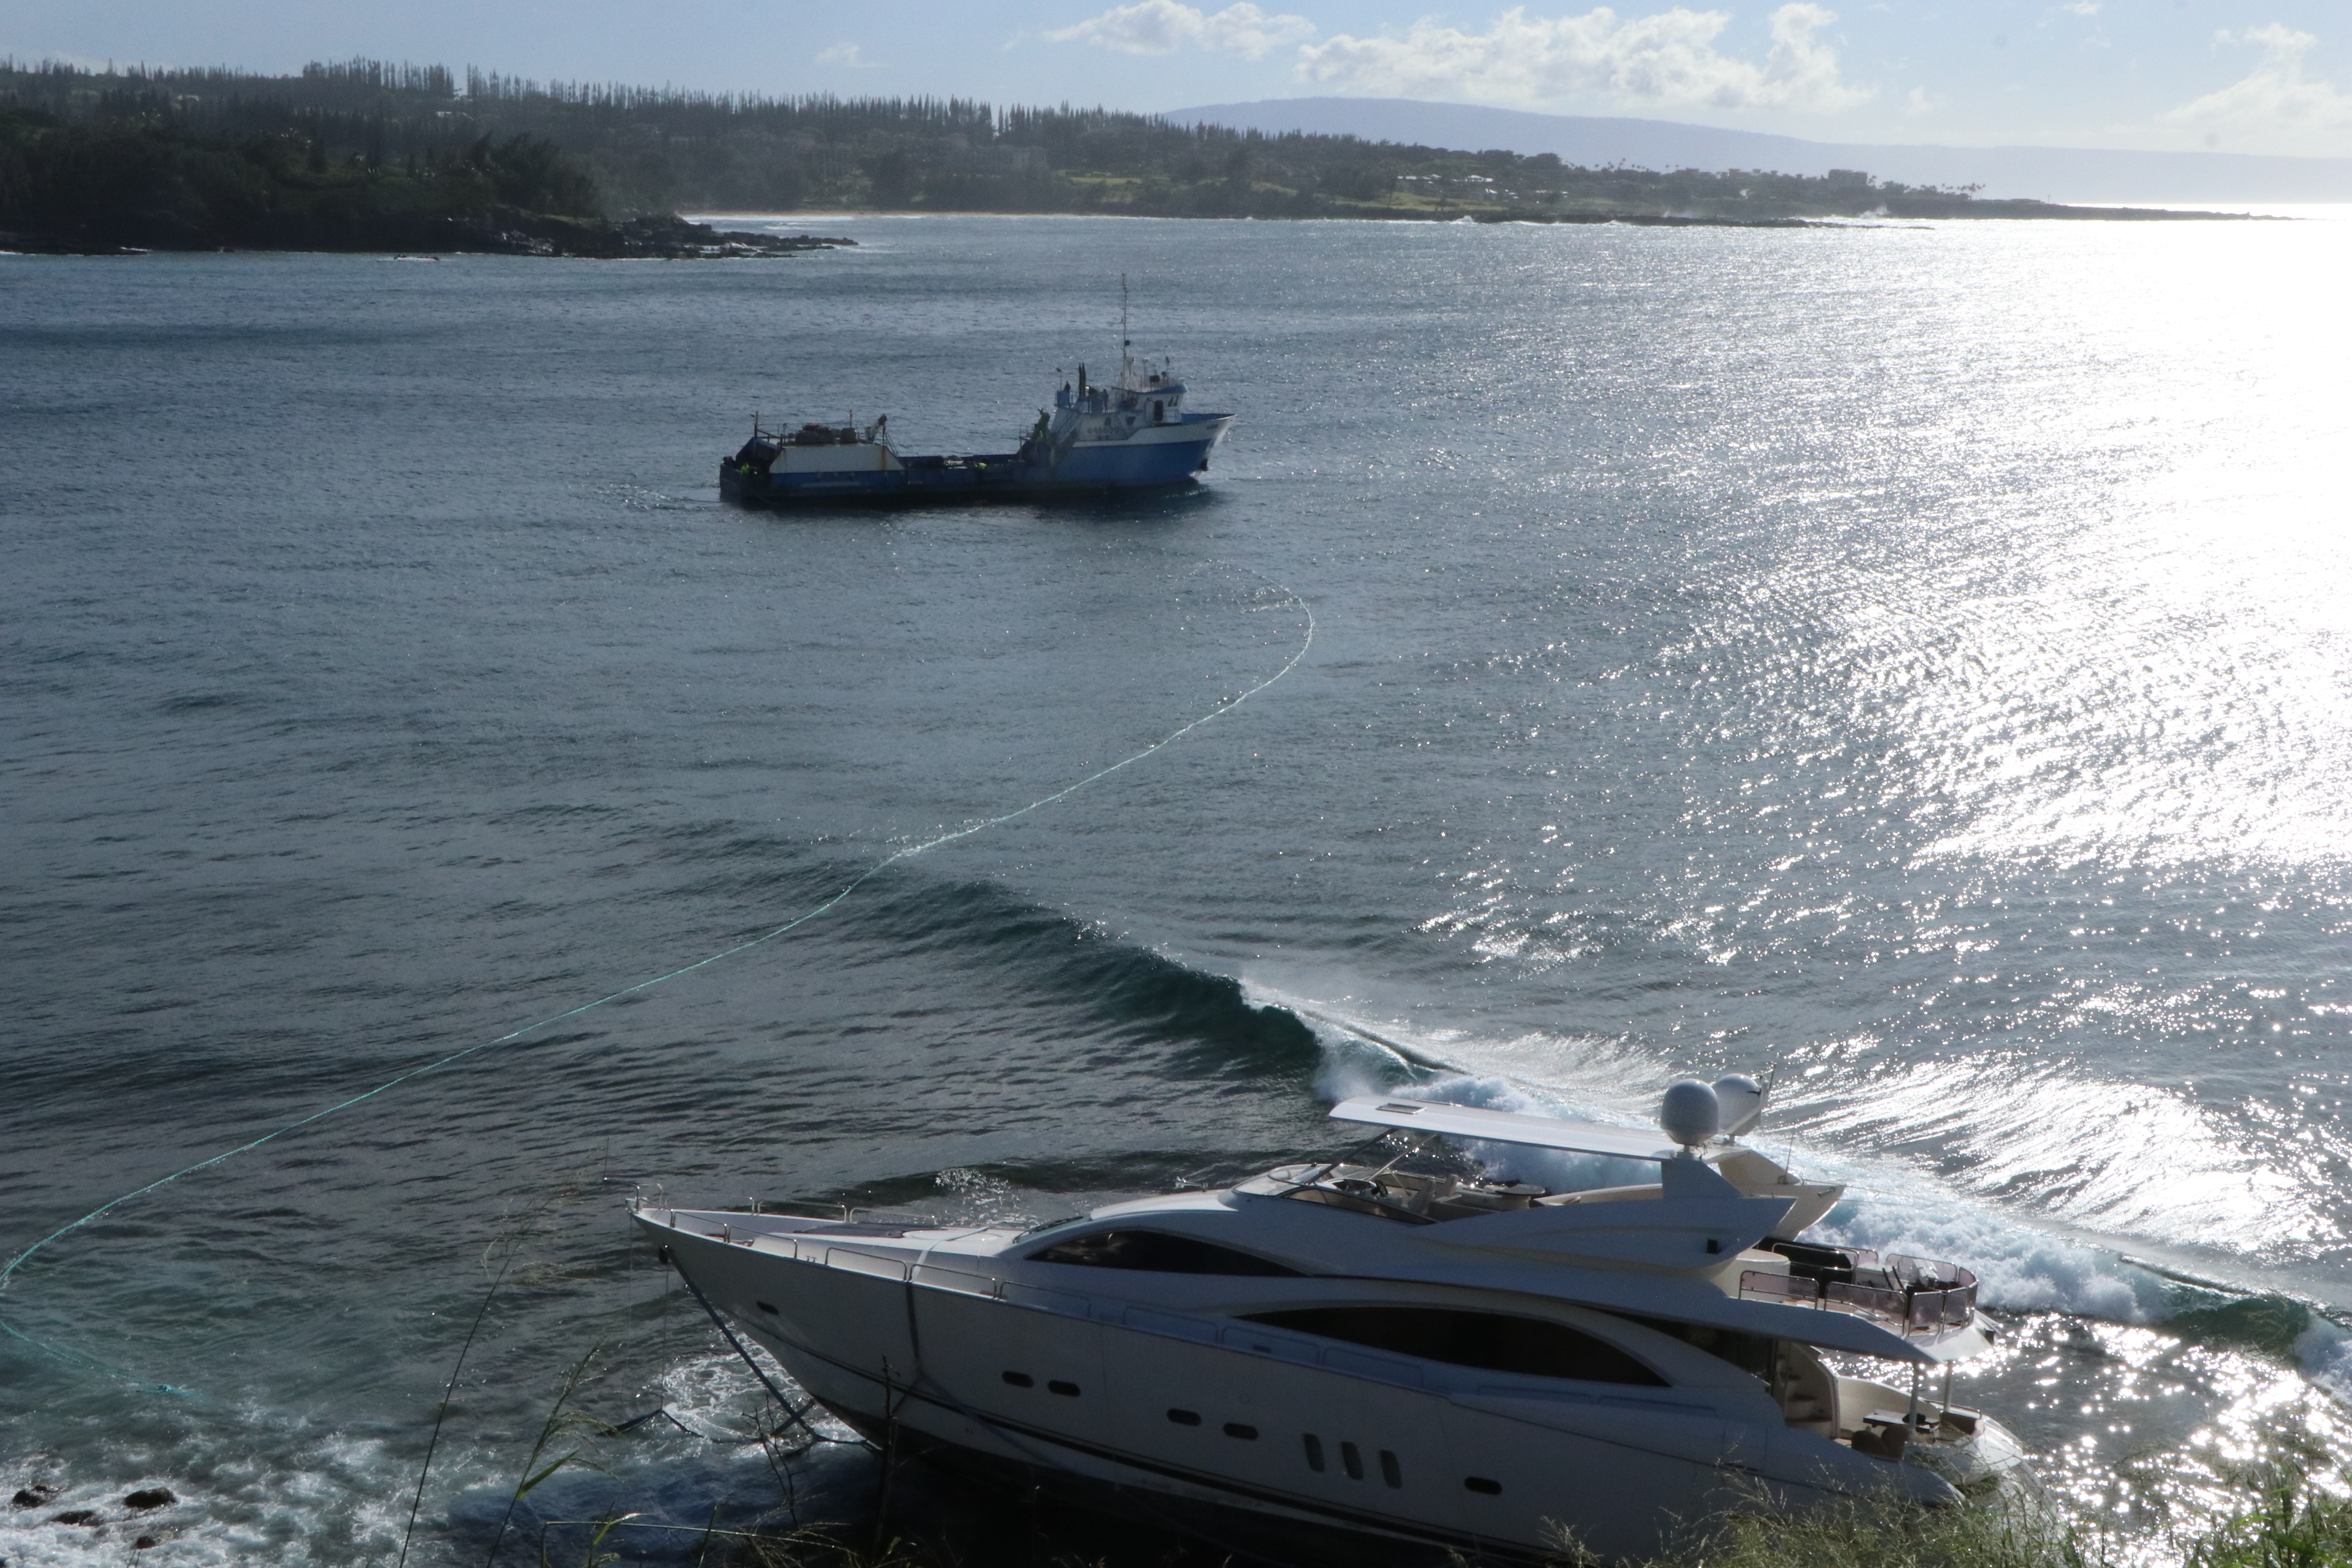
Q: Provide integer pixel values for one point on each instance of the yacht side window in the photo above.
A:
(1493, 1342)
(1751, 1354)
(1158, 1252)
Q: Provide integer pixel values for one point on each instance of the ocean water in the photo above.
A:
(1912, 663)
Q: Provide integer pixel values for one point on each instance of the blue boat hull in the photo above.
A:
(1166, 456)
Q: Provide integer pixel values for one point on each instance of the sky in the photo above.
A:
(2269, 76)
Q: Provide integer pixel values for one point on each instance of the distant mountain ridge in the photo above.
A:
(2047, 174)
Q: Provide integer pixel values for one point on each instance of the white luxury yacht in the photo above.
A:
(1390, 1352)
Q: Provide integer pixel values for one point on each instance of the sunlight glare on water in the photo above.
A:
(1909, 663)
(2163, 673)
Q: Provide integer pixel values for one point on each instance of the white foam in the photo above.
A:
(669, 1478)
(319, 1498)
(717, 1397)
(2323, 1351)
(975, 1197)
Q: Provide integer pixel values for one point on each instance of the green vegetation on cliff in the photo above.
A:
(148, 181)
(203, 160)
(368, 155)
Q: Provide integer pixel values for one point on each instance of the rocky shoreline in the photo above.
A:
(506, 233)
(670, 238)
(137, 1506)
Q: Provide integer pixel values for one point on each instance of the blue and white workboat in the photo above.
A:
(1133, 435)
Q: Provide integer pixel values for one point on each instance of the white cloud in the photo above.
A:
(844, 55)
(104, 66)
(2276, 108)
(1666, 58)
(2082, 7)
(1922, 102)
(1163, 27)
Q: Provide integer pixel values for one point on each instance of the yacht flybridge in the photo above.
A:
(1393, 1345)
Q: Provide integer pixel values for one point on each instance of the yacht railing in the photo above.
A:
(1920, 1296)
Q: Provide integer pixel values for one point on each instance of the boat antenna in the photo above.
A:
(1772, 1081)
(1126, 358)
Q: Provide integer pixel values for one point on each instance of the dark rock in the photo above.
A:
(76, 1515)
(665, 235)
(144, 1541)
(42, 243)
(499, 231)
(34, 1496)
(150, 1496)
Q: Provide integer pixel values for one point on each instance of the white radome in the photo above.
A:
(1691, 1115)
(1741, 1102)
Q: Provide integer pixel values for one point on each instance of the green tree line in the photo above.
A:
(423, 140)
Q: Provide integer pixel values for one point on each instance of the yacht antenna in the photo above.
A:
(1772, 1081)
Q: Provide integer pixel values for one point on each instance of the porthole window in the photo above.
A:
(1493, 1341)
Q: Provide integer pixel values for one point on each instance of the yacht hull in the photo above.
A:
(1250, 1534)
(851, 1341)
(1252, 1436)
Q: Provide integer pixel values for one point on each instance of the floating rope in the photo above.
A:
(77, 1359)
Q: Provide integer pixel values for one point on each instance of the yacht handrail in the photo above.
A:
(1928, 1297)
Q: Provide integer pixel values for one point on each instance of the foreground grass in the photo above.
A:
(2288, 1522)
(1877, 1535)
(2295, 1525)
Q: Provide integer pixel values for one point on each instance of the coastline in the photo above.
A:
(673, 239)
(2002, 211)
(694, 236)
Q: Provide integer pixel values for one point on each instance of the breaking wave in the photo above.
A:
(1130, 993)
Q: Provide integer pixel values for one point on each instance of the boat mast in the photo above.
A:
(1125, 358)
